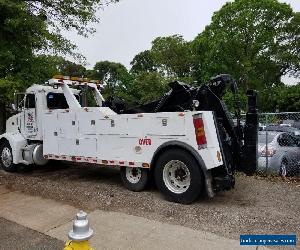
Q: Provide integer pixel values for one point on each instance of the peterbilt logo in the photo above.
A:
(146, 142)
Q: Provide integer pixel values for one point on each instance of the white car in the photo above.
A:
(278, 153)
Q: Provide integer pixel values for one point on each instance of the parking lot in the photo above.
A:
(256, 205)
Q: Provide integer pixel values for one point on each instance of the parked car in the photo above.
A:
(280, 128)
(282, 150)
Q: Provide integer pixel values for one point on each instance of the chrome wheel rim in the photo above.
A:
(6, 157)
(176, 176)
(133, 175)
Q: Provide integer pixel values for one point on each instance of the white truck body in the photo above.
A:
(100, 136)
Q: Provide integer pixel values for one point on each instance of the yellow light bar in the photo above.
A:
(61, 77)
(74, 78)
(95, 81)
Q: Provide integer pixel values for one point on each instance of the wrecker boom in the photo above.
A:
(239, 143)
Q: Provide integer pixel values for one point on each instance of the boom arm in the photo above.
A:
(239, 145)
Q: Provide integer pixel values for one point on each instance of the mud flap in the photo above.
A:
(249, 150)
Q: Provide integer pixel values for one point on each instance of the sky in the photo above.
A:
(128, 27)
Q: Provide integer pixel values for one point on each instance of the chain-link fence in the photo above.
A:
(279, 144)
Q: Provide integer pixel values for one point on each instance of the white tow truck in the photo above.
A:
(177, 149)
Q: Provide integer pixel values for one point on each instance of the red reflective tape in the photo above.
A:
(131, 163)
(111, 161)
(122, 162)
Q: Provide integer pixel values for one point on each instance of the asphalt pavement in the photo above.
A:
(15, 236)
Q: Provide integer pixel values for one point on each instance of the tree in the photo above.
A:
(113, 76)
(68, 68)
(146, 87)
(257, 41)
(38, 70)
(28, 28)
(283, 99)
(173, 55)
(143, 62)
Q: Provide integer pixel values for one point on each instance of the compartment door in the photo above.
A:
(50, 135)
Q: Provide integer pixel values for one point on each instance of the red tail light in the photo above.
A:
(199, 131)
(269, 153)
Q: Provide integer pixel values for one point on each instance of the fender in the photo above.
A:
(17, 142)
(192, 151)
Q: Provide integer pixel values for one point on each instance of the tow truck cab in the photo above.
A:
(180, 150)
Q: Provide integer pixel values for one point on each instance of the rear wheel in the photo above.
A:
(178, 176)
(6, 157)
(134, 179)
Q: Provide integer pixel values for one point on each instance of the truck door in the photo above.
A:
(30, 125)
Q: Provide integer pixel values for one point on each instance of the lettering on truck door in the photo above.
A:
(30, 116)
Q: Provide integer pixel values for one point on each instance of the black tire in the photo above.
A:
(134, 179)
(189, 193)
(8, 166)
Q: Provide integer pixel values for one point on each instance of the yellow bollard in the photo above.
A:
(80, 234)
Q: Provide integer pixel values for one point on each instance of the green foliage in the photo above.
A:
(112, 75)
(254, 40)
(68, 14)
(38, 70)
(6, 85)
(68, 68)
(173, 55)
(146, 87)
(230, 101)
(19, 36)
(282, 99)
(170, 56)
(143, 62)
(29, 28)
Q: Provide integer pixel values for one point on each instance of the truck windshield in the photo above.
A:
(57, 101)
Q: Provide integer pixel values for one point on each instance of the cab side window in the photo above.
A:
(30, 101)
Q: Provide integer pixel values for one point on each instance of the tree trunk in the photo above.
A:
(2, 117)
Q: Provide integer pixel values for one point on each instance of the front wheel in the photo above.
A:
(178, 176)
(134, 179)
(6, 158)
